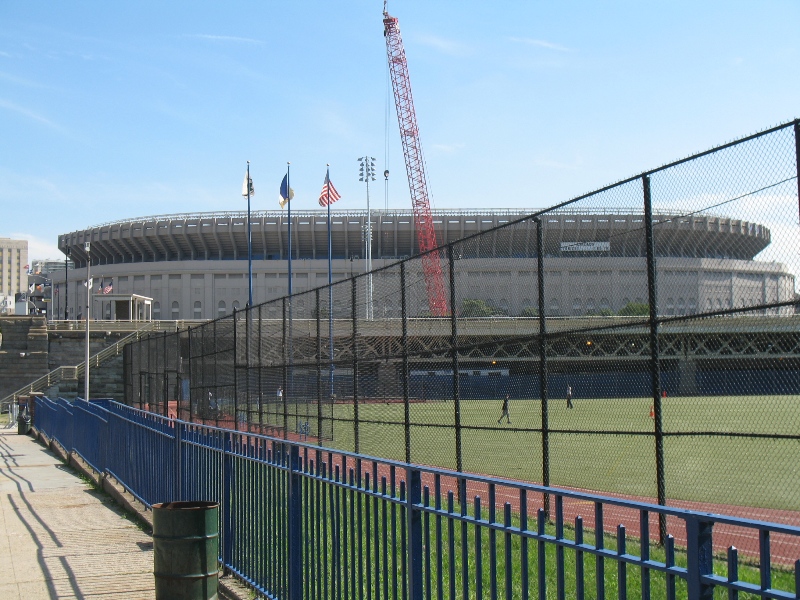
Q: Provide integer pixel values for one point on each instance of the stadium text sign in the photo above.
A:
(585, 246)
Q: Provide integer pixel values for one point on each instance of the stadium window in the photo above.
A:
(156, 311)
(176, 311)
(670, 306)
(605, 304)
(590, 305)
(221, 308)
(198, 309)
(576, 306)
(554, 307)
(692, 306)
(681, 306)
(235, 305)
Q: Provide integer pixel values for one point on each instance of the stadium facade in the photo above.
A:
(194, 266)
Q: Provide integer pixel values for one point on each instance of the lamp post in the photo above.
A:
(88, 247)
(367, 174)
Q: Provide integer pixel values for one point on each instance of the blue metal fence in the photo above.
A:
(298, 521)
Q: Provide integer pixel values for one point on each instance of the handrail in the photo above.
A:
(74, 372)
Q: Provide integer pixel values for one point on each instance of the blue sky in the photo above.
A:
(116, 110)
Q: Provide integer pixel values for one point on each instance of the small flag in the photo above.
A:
(328, 195)
(244, 186)
(109, 288)
(286, 192)
(89, 283)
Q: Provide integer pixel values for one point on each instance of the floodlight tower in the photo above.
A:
(367, 174)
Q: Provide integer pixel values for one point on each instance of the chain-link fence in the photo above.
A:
(640, 340)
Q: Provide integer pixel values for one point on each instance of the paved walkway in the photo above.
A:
(59, 537)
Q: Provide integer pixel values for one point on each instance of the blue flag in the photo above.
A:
(286, 192)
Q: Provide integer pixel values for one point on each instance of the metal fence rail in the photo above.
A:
(665, 303)
(299, 521)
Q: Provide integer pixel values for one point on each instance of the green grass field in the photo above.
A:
(705, 468)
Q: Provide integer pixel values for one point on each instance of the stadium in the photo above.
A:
(195, 267)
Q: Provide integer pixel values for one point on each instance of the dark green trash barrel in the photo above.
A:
(185, 549)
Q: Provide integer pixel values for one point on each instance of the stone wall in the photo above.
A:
(23, 352)
(28, 351)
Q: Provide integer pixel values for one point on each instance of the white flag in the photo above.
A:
(89, 282)
(244, 186)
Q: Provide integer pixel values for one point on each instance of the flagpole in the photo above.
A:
(249, 245)
(289, 218)
(330, 283)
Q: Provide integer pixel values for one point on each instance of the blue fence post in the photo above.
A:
(699, 557)
(227, 512)
(178, 461)
(295, 525)
(414, 524)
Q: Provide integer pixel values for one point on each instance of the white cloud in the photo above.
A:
(27, 113)
(38, 248)
(448, 148)
(541, 44)
(225, 38)
(443, 45)
(554, 164)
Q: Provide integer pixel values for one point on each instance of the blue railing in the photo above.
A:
(298, 521)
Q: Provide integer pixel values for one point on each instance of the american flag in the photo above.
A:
(109, 288)
(328, 189)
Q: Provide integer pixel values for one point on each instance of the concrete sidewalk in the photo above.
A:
(59, 537)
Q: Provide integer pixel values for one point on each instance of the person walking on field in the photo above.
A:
(280, 394)
(569, 397)
(504, 410)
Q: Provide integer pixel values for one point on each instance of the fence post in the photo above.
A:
(188, 371)
(284, 385)
(454, 362)
(235, 378)
(178, 461)
(797, 158)
(165, 378)
(295, 526)
(414, 533)
(215, 379)
(354, 298)
(319, 368)
(404, 376)
(699, 558)
(655, 365)
(543, 365)
(260, 369)
(227, 513)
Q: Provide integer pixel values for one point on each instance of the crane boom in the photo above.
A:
(415, 166)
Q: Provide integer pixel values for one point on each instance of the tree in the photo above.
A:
(529, 311)
(634, 309)
(477, 308)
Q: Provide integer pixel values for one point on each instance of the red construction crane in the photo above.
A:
(415, 166)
